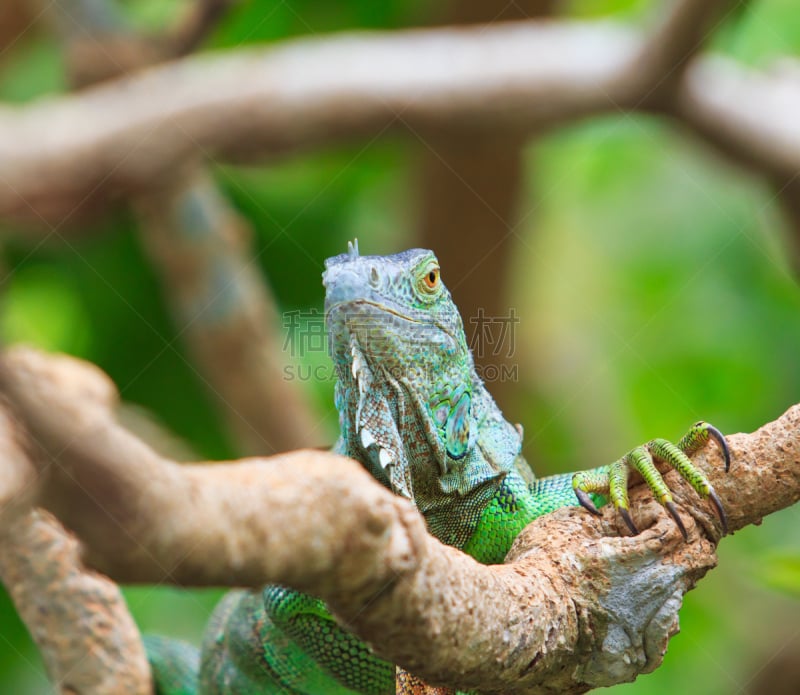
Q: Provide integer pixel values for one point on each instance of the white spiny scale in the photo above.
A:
(358, 360)
(385, 458)
(354, 361)
(366, 438)
(360, 363)
(362, 376)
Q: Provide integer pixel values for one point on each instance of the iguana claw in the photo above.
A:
(721, 441)
(674, 513)
(626, 516)
(586, 502)
(720, 511)
(612, 480)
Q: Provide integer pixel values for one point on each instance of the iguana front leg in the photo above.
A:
(612, 480)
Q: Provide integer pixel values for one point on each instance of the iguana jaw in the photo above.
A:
(355, 303)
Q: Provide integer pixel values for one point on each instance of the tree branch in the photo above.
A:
(747, 114)
(198, 22)
(78, 619)
(65, 155)
(667, 54)
(69, 154)
(343, 537)
(198, 243)
(199, 246)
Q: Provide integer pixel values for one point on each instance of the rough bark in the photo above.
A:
(78, 618)
(579, 603)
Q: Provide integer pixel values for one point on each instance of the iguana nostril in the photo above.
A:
(374, 278)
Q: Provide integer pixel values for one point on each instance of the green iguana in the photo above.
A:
(414, 412)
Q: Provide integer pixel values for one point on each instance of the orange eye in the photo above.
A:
(432, 278)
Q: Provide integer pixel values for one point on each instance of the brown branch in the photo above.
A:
(747, 114)
(664, 58)
(789, 199)
(318, 522)
(100, 43)
(17, 21)
(199, 245)
(18, 474)
(199, 21)
(109, 498)
(78, 618)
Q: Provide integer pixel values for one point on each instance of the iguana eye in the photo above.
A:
(426, 281)
(432, 278)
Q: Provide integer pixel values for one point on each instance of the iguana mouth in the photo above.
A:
(388, 309)
(382, 307)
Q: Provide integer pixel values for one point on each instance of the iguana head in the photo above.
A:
(397, 313)
(402, 360)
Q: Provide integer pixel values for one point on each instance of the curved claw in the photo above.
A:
(723, 444)
(627, 517)
(674, 513)
(586, 502)
(720, 511)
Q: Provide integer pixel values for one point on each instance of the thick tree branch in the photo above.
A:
(318, 522)
(666, 55)
(747, 114)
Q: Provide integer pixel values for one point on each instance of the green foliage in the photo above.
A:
(43, 308)
(31, 70)
(649, 276)
(781, 571)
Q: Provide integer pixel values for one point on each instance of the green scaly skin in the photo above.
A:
(414, 412)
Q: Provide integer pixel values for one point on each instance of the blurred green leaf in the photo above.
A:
(781, 571)
(31, 70)
(41, 307)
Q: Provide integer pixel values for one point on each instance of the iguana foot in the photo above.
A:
(612, 480)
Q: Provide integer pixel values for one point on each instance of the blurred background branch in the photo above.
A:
(124, 138)
(199, 245)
